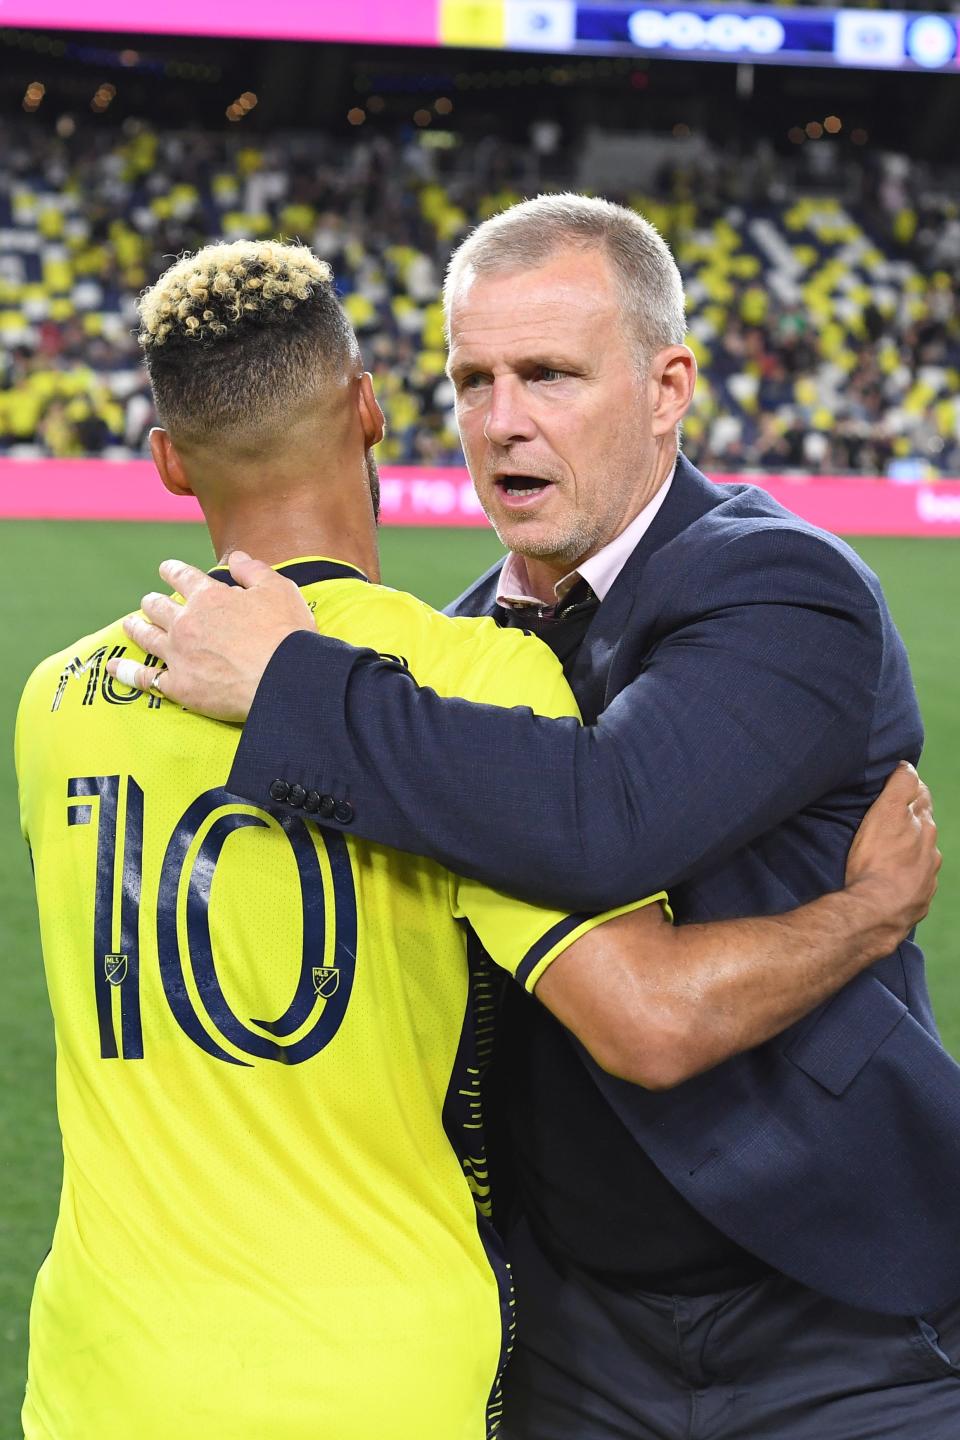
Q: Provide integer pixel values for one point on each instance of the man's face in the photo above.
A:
(554, 416)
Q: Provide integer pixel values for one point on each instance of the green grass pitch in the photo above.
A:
(61, 580)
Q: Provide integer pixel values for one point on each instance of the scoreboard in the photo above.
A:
(754, 34)
(779, 35)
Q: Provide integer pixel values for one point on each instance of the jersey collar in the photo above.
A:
(305, 571)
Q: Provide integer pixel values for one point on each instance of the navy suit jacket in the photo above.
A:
(745, 694)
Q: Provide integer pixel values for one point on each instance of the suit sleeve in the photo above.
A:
(755, 701)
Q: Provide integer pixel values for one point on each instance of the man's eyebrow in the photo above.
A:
(546, 361)
(536, 360)
(462, 367)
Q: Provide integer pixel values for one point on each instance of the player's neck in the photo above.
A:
(289, 526)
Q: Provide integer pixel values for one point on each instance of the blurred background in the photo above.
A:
(802, 163)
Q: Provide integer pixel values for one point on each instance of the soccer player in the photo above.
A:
(270, 1038)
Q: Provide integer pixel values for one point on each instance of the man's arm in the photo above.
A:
(755, 704)
(655, 1003)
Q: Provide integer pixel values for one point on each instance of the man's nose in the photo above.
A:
(508, 417)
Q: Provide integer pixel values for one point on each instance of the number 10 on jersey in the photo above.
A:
(324, 983)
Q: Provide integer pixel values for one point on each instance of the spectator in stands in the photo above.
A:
(792, 299)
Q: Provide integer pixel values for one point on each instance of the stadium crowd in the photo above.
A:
(826, 327)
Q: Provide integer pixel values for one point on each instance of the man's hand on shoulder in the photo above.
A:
(216, 646)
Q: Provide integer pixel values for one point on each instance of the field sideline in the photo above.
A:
(61, 580)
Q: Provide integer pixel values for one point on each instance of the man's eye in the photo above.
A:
(473, 381)
(545, 372)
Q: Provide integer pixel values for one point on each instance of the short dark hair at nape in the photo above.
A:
(238, 336)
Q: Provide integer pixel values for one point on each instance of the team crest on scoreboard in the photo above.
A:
(115, 968)
(326, 980)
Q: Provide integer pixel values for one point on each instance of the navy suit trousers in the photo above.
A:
(772, 1361)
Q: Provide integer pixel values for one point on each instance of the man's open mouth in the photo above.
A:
(518, 487)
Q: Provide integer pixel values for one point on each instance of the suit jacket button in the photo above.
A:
(312, 803)
(326, 807)
(297, 796)
(343, 811)
(279, 790)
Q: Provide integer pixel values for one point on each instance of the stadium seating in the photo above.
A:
(827, 332)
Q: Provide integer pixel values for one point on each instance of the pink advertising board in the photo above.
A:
(391, 22)
(859, 505)
(130, 490)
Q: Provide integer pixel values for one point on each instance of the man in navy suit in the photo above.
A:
(770, 1249)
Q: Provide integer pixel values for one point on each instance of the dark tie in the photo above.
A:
(562, 627)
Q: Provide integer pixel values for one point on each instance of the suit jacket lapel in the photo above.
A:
(593, 675)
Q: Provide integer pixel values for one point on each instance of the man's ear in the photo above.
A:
(169, 465)
(673, 375)
(371, 416)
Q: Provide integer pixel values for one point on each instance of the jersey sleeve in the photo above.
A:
(26, 724)
(525, 939)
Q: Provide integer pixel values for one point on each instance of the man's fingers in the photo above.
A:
(184, 578)
(151, 639)
(160, 609)
(903, 784)
(249, 572)
(132, 673)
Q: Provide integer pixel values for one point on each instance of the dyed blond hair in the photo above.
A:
(239, 335)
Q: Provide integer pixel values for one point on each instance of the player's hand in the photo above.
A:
(894, 858)
(216, 646)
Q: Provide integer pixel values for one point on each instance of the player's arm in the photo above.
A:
(656, 1003)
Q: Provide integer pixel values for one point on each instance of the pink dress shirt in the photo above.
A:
(599, 570)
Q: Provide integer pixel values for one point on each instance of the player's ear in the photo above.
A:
(371, 416)
(168, 462)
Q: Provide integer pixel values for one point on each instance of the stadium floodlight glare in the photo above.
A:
(33, 96)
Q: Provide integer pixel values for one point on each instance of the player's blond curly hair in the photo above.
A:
(238, 335)
(206, 295)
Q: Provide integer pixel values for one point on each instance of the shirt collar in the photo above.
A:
(599, 571)
(306, 570)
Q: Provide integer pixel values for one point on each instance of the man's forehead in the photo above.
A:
(548, 300)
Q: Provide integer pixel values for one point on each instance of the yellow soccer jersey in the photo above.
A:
(269, 1045)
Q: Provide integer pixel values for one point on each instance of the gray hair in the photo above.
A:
(529, 234)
